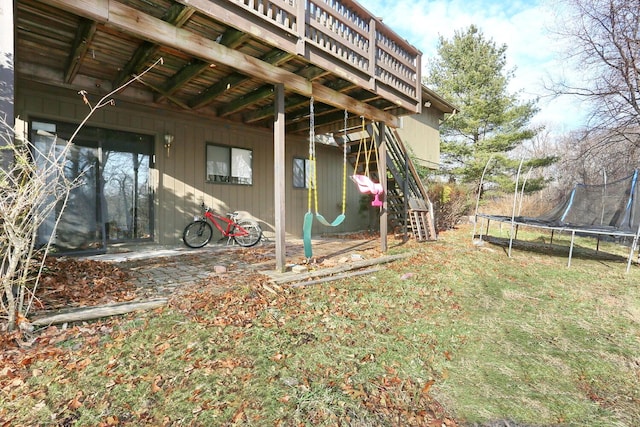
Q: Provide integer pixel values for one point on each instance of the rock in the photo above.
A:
(329, 262)
(289, 381)
(219, 269)
(299, 269)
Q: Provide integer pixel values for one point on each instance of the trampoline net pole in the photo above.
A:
(573, 235)
(634, 246)
(475, 222)
(513, 212)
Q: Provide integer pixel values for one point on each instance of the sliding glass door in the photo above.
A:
(126, 161)
(112, 201)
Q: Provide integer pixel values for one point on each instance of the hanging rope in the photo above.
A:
(307, 223)
(364, 182)
(312, 182)
(362, 143)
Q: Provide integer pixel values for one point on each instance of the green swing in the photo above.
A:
(307, 223)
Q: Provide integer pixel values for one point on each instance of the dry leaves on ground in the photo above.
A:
(68, 282)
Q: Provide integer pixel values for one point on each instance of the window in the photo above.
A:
(229, 164)
(301, 173)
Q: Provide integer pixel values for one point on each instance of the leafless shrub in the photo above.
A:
(531, 205)
(451, 202)
(30, 192)
(33, 187)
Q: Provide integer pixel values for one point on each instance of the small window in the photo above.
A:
(229, 164)
(301, 173)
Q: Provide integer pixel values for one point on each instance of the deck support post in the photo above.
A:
(382, 176)
(279, 176)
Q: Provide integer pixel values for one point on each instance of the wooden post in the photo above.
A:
(279, 176)
(373, 50)
(382, 176)
(7, 76)
(302, 20)
(418, 63)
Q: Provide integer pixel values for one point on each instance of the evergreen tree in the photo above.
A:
(490, 122)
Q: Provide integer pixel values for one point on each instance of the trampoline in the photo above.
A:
(608, 209)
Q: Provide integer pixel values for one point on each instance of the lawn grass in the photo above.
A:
(458, 331)
(552, 345)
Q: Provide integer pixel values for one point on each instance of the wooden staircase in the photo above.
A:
(408, 206)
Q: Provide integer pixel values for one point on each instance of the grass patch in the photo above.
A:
(552, 345)
(455, 332)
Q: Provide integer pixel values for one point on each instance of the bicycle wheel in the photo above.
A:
(253, 235)
(197, 234)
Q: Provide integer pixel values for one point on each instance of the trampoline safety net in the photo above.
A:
(611, 207)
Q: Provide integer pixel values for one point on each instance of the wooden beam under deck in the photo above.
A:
(231, 38)
(176, 15)
(86, 31)
(275, 57)
(149, 28)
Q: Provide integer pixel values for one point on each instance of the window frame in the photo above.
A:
(229, 177)
(305, 170)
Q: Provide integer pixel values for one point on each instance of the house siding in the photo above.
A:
(420, 133)
(178, 178)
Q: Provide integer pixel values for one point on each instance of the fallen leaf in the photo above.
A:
(427, 386)
(156, 384)
(16, 382)
(161, 348)
(239, 415)
(112, 420)
(75, 403)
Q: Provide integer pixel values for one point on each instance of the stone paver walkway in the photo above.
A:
(160, 271)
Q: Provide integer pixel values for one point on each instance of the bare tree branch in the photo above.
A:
(604, 40)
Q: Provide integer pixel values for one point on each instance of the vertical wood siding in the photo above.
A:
(178, 178)
(420, 133)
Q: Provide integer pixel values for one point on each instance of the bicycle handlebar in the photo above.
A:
(231, 215)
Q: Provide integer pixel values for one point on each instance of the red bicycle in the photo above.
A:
(245, 232)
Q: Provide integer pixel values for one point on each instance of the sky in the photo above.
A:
(522, 25)
(6, 38)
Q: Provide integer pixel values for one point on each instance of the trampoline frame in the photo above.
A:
(573, 230)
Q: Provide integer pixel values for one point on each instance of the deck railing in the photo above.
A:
(344, 37)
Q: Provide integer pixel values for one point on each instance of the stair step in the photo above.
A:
(419, 222)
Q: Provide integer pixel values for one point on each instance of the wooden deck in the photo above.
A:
(344, 37)
(222, 57)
